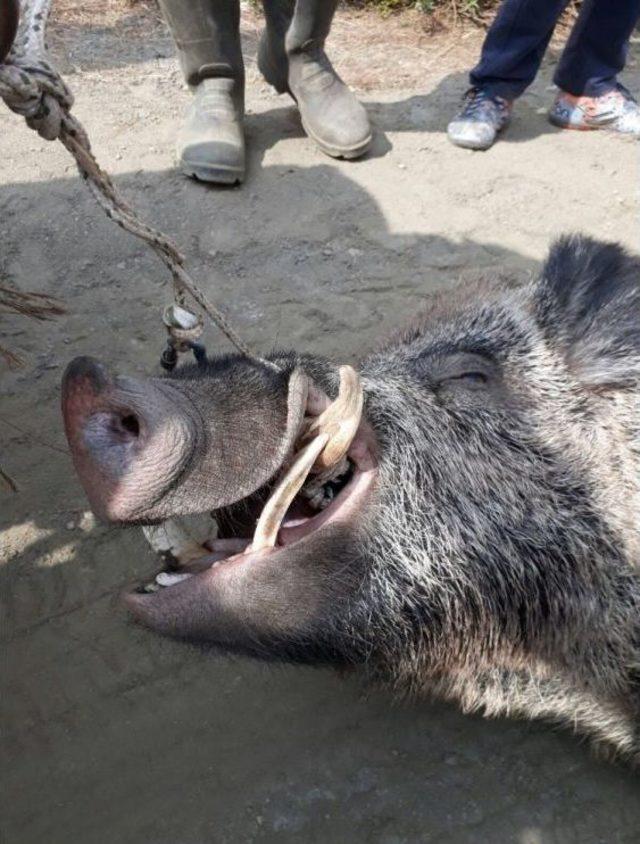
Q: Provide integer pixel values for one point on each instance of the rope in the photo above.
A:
(31, 87)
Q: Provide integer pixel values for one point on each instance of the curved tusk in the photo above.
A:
(276, 507)
(340, 421)
(325, 442)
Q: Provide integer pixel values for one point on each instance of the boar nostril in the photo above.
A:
(123, 426)
(130, 424)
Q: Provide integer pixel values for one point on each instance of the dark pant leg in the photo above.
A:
(207, 34)
(597, 47)
(515, 45)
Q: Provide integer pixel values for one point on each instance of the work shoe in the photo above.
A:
(292, 59)
(210, 144)
(482, 117)
(617, 111)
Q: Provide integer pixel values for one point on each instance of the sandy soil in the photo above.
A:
(113, 735)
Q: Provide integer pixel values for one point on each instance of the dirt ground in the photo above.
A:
(113, 735)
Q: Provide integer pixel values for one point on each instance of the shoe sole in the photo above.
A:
(476, 145)
(347, 153)
(214, 175)
(606, 127)
(555, 121)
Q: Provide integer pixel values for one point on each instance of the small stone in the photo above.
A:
(87, 521)
(70, 525)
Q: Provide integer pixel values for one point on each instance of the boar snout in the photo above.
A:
(195, 441)
(129, 439)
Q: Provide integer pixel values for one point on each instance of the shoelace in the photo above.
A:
(475, 101)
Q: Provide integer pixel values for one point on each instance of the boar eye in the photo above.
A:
(463, 375)
(472, 380)
(458, 373)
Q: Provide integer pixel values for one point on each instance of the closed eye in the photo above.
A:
(472, 380)
(462, 372)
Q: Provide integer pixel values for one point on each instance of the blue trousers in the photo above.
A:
(595, 52)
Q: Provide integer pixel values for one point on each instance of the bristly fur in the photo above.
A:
(506, 541)
(500, 564)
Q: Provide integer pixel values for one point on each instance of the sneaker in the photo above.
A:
(616, 111)
(482, 117)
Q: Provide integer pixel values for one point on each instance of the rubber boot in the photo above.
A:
(210, 144)
(292, 59)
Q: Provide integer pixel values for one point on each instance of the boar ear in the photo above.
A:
(588, 303)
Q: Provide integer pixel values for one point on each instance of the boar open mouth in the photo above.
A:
(338, 499)
(148, 451)
(325, 481)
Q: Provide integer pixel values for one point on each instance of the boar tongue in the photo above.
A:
(325, 441)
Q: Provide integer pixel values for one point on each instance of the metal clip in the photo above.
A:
(184, 330)
(177, 318)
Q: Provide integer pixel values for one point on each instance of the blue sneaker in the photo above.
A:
(482, 117)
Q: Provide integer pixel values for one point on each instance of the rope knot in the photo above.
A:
(37, 93)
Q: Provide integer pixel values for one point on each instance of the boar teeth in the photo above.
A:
(320, 499)
(289, 486)
(323, 488)
(166, 578)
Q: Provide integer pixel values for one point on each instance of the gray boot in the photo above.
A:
(292, 59)
(210, 144)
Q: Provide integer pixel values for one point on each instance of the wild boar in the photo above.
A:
(480, 540)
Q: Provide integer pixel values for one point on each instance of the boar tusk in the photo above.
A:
(325, 442)
(280, 500)
(340, 421)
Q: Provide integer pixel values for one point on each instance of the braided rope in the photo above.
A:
(31, 87)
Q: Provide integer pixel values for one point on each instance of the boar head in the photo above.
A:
(490, 507)
(217, 437)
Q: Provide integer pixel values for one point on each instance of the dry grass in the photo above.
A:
(38, 306)
(439, 13)
(104, 13)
